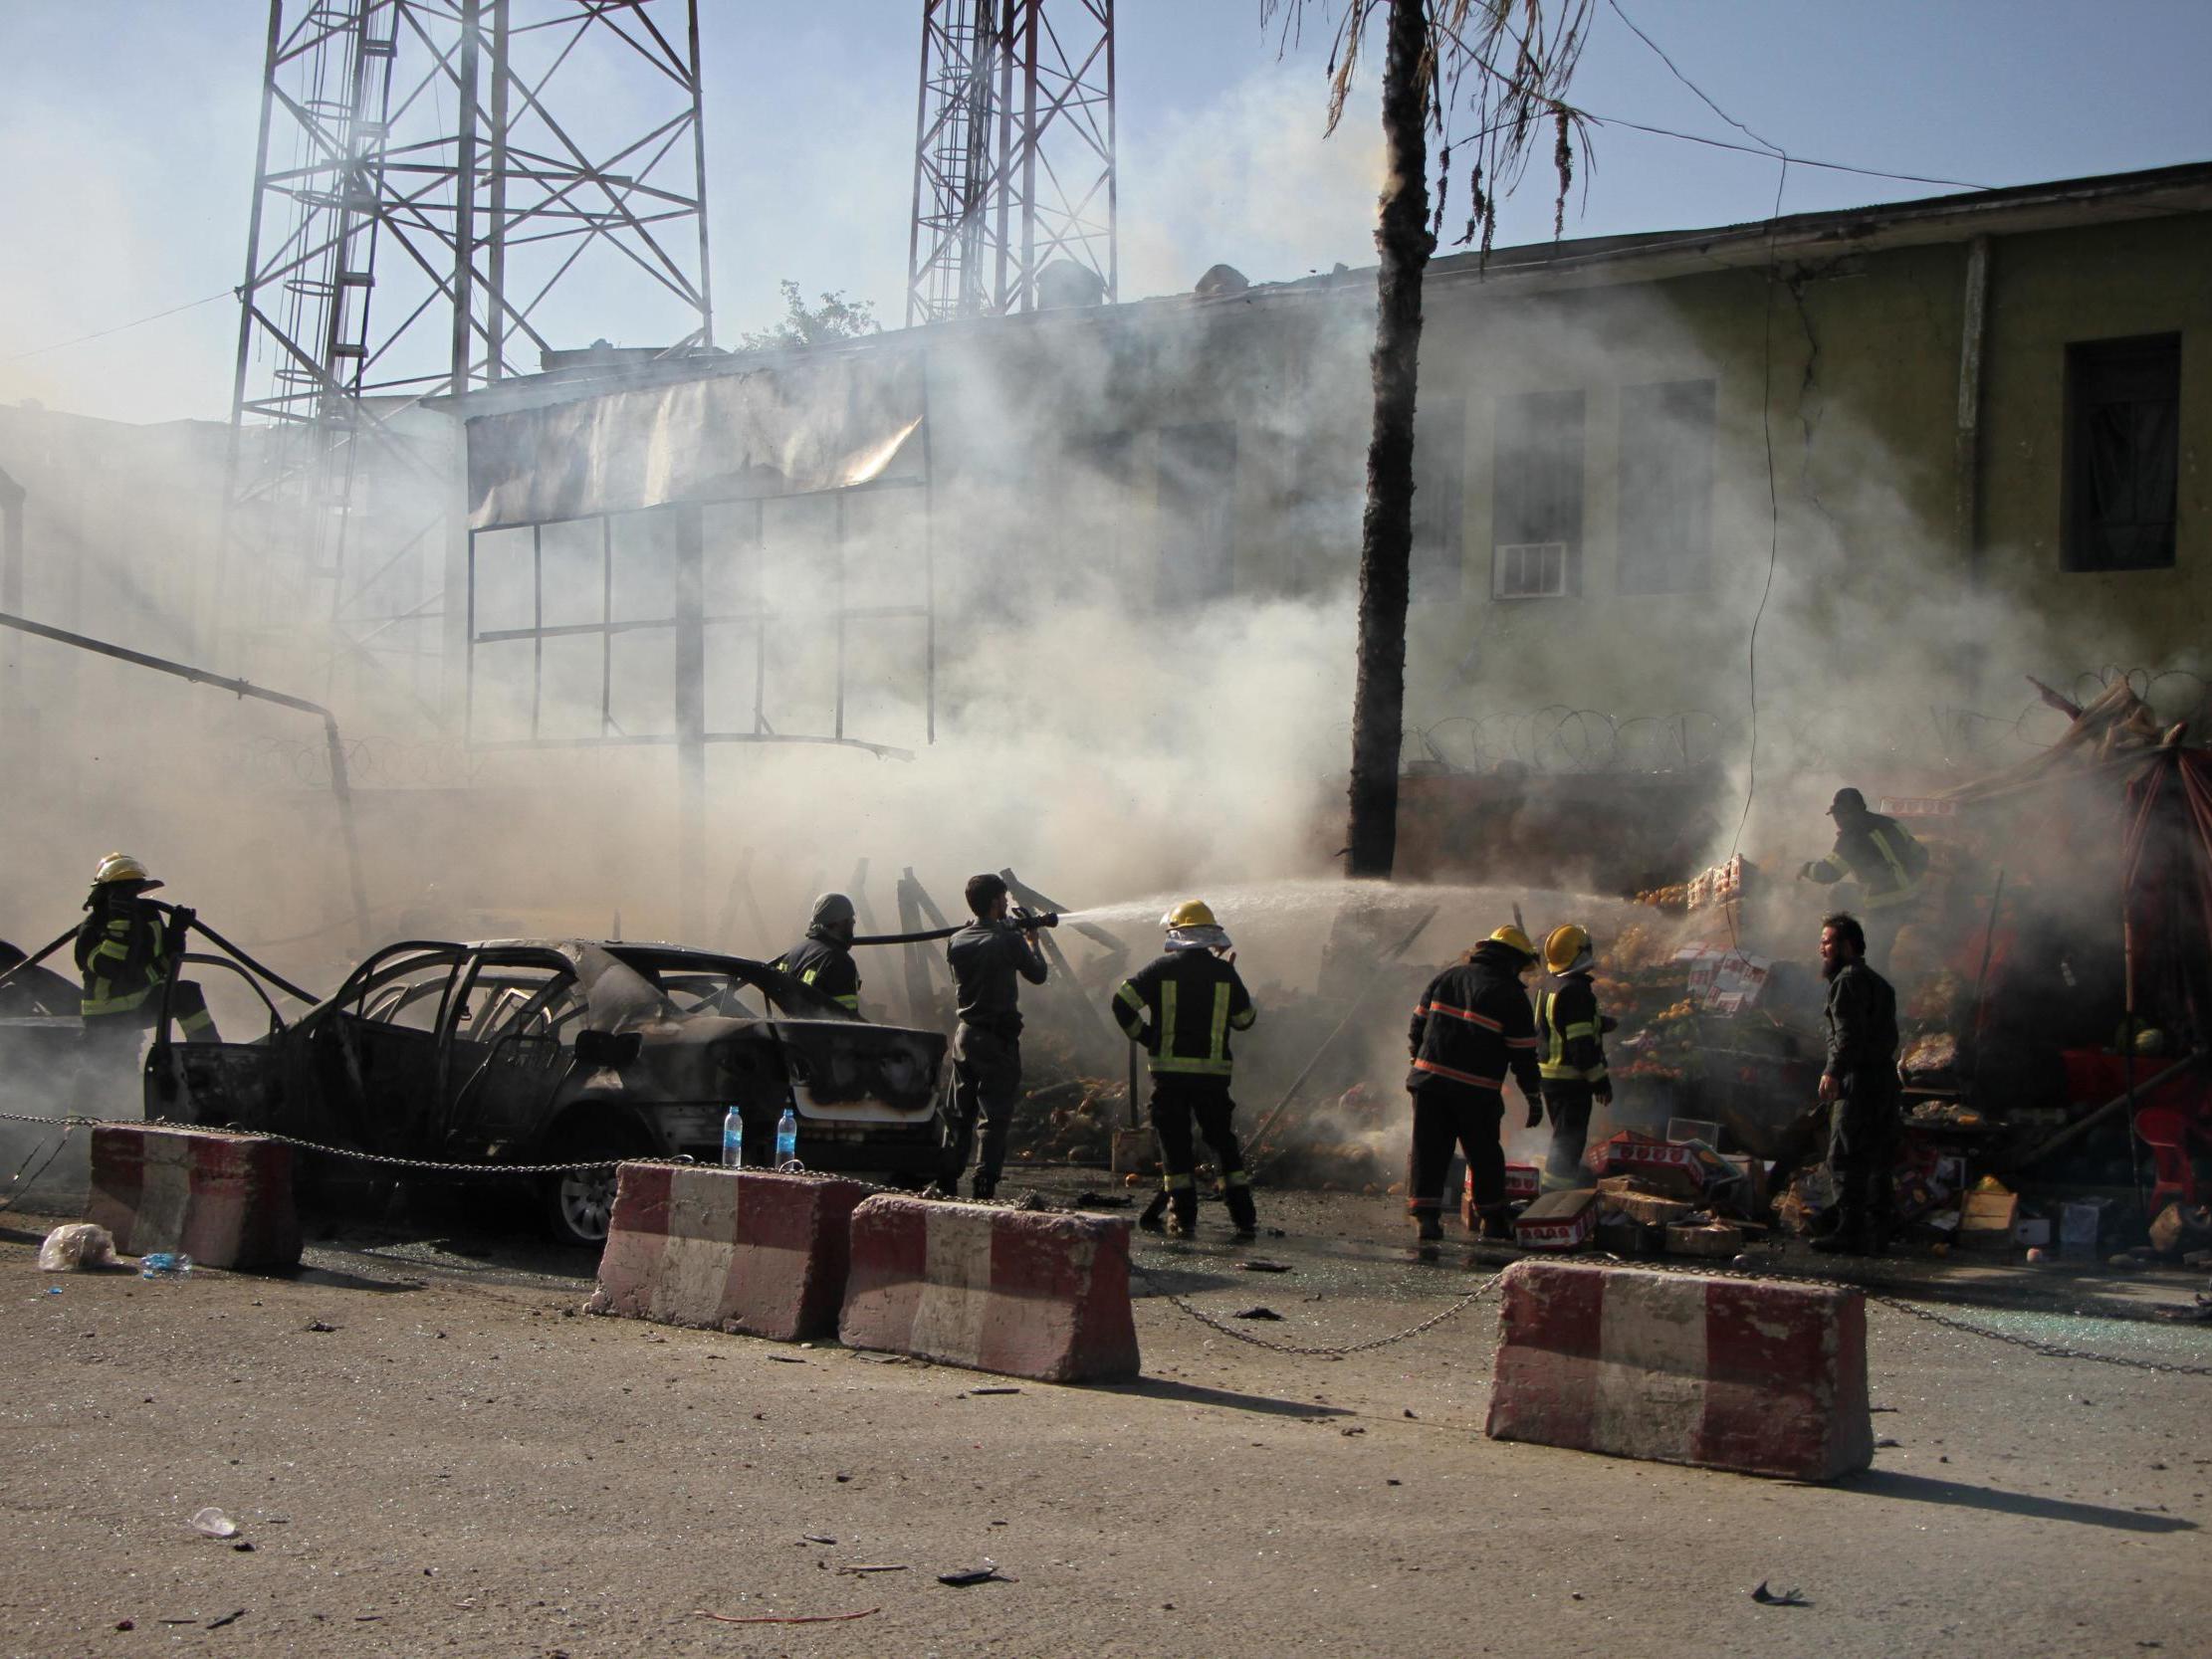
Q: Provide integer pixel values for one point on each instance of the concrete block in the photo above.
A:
(750, 1252)
(1763, 1379)
(1023, 1292)
(226, 1200)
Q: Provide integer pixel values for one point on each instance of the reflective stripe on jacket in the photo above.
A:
(1473, 1025)
(1880, 855)
(123, 958)
(1181, 1007)
(1570, 1041)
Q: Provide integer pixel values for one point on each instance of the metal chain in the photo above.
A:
(354, 1152)
(2049, 1350)
(1184, 1304)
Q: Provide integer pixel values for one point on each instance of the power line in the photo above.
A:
(121, 328)
(1674, 70)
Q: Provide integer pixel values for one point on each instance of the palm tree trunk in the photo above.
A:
(1402, 240)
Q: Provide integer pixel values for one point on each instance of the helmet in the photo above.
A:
(1192, 912)
(833, 910)
(1514, 939)
(1848, 803)
(1567, 950)
(122, 867)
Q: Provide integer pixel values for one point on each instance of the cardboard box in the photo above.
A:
(1621, 1195)
(1522, 1182)
(1135, 1151)
(1988, 1219)
(1711, 1239)
(1676, 1172)
(2031, 1231)
(2080, 1225)
(1557, 1221)
(1694, 1129)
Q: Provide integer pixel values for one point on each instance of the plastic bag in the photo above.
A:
(75, 1247)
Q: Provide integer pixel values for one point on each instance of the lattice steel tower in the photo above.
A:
(1013, 155)
(443, 189)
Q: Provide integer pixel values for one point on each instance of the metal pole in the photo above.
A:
(494, 297)
(340, 787)
(464, 199)
(699, 159)
(690, 696)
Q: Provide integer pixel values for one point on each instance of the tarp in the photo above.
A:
(786, 430)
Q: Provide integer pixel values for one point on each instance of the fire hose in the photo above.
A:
(1023, 920)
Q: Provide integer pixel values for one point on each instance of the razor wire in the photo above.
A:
(358, 1154)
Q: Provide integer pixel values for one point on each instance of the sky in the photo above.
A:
(127, 132)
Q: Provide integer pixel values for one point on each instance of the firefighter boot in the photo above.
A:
(1427, 1228)
(1243, 1218)
(1184, 1222)
(983, 1187)
(1497, 1223)
(1151, 1220)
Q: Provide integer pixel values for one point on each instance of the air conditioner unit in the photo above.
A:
(1530, 570)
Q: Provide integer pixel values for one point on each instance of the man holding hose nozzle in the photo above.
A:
(126, 949)
(985, 956)
(1181, 1007)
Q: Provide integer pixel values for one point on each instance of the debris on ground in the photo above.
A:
(77, 1247)
(1260, 1313)
(213, 1523)
(783, 1618)
(1785, 1598)
(962, 1577)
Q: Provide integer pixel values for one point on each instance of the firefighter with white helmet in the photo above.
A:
(126, 951)
(1570, 1052)
(1471, 1028)
(1180, 1008)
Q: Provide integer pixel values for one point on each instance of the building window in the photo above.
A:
(1440, 497)
(1666, 487)
(2123, 453)
(1536, 498)
(1197, 513)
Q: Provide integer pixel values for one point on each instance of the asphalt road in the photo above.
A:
(460, 1464)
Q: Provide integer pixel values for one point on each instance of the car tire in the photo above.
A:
(575, 1207)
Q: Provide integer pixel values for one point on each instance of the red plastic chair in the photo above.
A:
(2167, 1132)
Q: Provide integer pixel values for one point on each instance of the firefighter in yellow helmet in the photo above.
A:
(1180, 1008)
(1472, 1026)
(1570, 1053)
(126, 952)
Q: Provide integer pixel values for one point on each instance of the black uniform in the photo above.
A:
(1865, 1119)
(1473, 1027)
(1570, 1046)
(985, 957)
(1181, 1007)
(826, 964)
(126, 949)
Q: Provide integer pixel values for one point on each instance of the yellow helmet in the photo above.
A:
(1514, 938)
(122, 867)
(1568, 949)
(1192, 912)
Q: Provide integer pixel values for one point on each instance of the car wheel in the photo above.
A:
(578, 1204)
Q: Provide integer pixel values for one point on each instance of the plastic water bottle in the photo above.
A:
(733, 1140)
(164, 1264)
(786, 1139)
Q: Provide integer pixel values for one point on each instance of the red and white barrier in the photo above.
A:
(737, 1250)
(225, 1201)
(1725, 1374)
(1023, 1292)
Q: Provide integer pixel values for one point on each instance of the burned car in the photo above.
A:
(548, 1051)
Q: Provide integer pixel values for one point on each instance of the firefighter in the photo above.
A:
(126, 951)
(823, 959)
(986, 956)
(1181, 1007)
(1878, 854)
(1570, 1053)
(1473, 1025)
(1858, 1084)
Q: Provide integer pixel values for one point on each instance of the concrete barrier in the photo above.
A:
(1759, 1377)
(223, 1199)
(738, 1250)
(1024, 1292)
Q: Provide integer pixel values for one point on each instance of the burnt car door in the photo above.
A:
(215, 1083)
(372, 1053)
(509, 1046)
